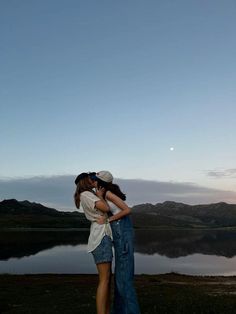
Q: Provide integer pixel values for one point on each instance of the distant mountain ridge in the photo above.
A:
(27, 214)
(183, 215)
(25, 207)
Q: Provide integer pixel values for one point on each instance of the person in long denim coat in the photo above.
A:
(125, 299)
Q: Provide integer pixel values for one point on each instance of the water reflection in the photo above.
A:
(175, 243)
(168, 243)
(26, 243)
(198, 252)
(58, 260)
(196, 264)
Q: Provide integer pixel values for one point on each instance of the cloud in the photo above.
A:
(54, 191)
(141, 191)
(57, 191)
(223, 173)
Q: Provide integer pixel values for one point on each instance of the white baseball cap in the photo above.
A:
(105, 176)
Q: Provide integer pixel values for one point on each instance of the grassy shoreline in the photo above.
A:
(168, 293)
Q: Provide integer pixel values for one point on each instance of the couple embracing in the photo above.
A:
(105, 207)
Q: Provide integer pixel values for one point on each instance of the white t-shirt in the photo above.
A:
(97, 231)
(113, 208)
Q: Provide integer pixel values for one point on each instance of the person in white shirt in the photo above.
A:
(100, 238)
(125, 299)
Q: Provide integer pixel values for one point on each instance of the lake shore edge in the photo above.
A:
(164, 228)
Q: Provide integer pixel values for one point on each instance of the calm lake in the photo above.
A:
(156, 251)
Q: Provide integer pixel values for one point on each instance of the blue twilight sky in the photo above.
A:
(91, 85)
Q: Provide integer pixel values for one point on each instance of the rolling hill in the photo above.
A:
(24, 214)
(172, 214)
(16, 214)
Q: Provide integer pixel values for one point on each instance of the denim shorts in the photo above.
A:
(103, 252)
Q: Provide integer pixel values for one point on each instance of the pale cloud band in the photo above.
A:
(57, 191)
(222, 173)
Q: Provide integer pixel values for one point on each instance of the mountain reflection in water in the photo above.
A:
(26, 243)
(172, 244)
(179, 243)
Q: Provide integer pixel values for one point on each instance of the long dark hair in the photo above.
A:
(114, 188)
(82, 186)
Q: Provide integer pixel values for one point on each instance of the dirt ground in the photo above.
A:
(169, 293)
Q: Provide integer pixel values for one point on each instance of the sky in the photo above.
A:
(145, 89)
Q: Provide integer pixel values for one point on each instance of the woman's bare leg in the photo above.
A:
(103, 290)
